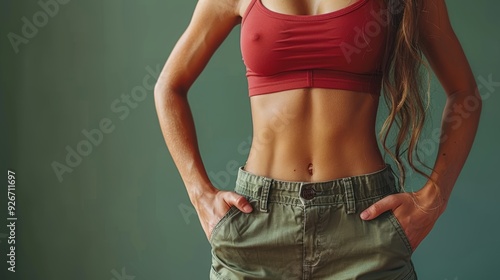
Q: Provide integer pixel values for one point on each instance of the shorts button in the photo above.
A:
(307, 193)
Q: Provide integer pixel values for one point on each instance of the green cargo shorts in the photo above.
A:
(311, 230)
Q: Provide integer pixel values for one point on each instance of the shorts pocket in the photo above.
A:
(233, 210)
(214, 275)
(400, 230)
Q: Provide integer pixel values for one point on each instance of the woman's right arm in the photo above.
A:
(210, 24)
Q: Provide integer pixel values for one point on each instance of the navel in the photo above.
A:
(310, 169)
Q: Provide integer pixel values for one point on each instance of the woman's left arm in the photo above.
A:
(418, 211)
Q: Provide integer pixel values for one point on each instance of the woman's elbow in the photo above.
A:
(166, 86)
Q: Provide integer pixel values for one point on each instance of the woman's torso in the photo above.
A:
(313, 134)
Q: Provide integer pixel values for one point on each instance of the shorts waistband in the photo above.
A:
(347, 190)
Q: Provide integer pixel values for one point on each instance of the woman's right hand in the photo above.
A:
(212, 206)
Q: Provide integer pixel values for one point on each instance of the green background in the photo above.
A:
(123, 210)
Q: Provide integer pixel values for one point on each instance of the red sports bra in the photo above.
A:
(342, 49)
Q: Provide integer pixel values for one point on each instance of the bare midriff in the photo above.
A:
(314, 134)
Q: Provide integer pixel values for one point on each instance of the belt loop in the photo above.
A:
(264, 194)
(349, 196)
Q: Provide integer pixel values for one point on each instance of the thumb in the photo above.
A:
(239, 201)
(379, 207)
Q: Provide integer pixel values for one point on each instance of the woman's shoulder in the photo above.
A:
(242, 6)
(227, 7)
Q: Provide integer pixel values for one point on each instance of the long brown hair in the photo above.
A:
(402, 85)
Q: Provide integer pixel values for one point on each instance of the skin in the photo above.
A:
(316, 134)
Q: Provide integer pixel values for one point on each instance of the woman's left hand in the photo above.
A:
(413, 210)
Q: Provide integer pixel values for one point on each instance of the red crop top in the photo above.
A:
(342, 49)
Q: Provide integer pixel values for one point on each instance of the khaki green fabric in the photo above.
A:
(311, 230)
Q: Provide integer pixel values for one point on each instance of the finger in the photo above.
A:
(379, 207)
(239, 201)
